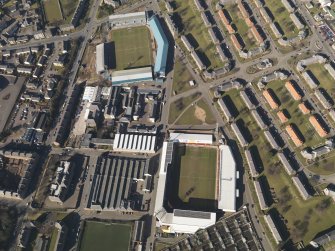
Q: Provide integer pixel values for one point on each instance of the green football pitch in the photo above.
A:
(132, 48)
(197, 174)
(100, 236)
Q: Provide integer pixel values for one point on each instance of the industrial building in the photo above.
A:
(61, 182)
(114, 184)
(162, 47)
(260, 196)
(252, 167)
(134, 142)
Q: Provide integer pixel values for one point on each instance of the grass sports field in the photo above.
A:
(132, 48)
(197, 173)
(52, 11)
(100, 236)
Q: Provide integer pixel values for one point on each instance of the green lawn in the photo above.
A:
(194, 26)
(68, 8)
(325, 165)
(242, 28)
(52, 11)
(190, 117)
(132, 47)
(100, 236)
(181, 78)
(177, 107)
(282, 17)
(197, 173)
(296, 117)
(325, 79)
(304, 218)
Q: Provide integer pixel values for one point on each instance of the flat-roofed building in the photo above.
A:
(192, 138)
(332, 114)
(223, 17)
(131, 76)
(162, 47)
(128, 19)
(246, 99)
(236, 42)
(276, 30)
(249, 22)
(330, 69)
(265, 15)
(197, 60)
(270, 99)
(287, 4)
(213, 36)
(268, 135)
(296, 20)
(171, 25)
(273, 229)
(286, 164)
(291, 88)
(186, 43)
(260, 196)
(239, 135)
(294, 136)
(129, 142)
(309, 79)
(205, 19)
(100, 58)
(198, 5)
(323, 99)
(300, 187)
(221, 53)
(227, 180)
(317, 126)
(251, 163)
(226, 112)
(259, 119)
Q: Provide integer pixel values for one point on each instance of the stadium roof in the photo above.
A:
(192, 138)
(162, 46)
(100, 58)
(121, 17)
(227, 197)
(132, 75)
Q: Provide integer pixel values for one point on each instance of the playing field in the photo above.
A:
(100, 236)
(132, 48)
(52, 11)
(197, 173)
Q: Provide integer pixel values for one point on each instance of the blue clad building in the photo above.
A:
(162, 47)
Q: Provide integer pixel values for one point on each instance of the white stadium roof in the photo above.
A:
(227, 197)
(192, 138)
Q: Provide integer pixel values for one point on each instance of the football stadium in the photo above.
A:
(197, 178)
(137, 51)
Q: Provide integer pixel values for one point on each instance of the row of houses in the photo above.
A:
(318, 125)
(226, 112)
(271, 139)
(294, 135)
(323, 98)
(259, 119)
(292, 89)
(271, 98)
(286, 163)
(248, 101)
(239, 135)
(260, 196)
(252, 166)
